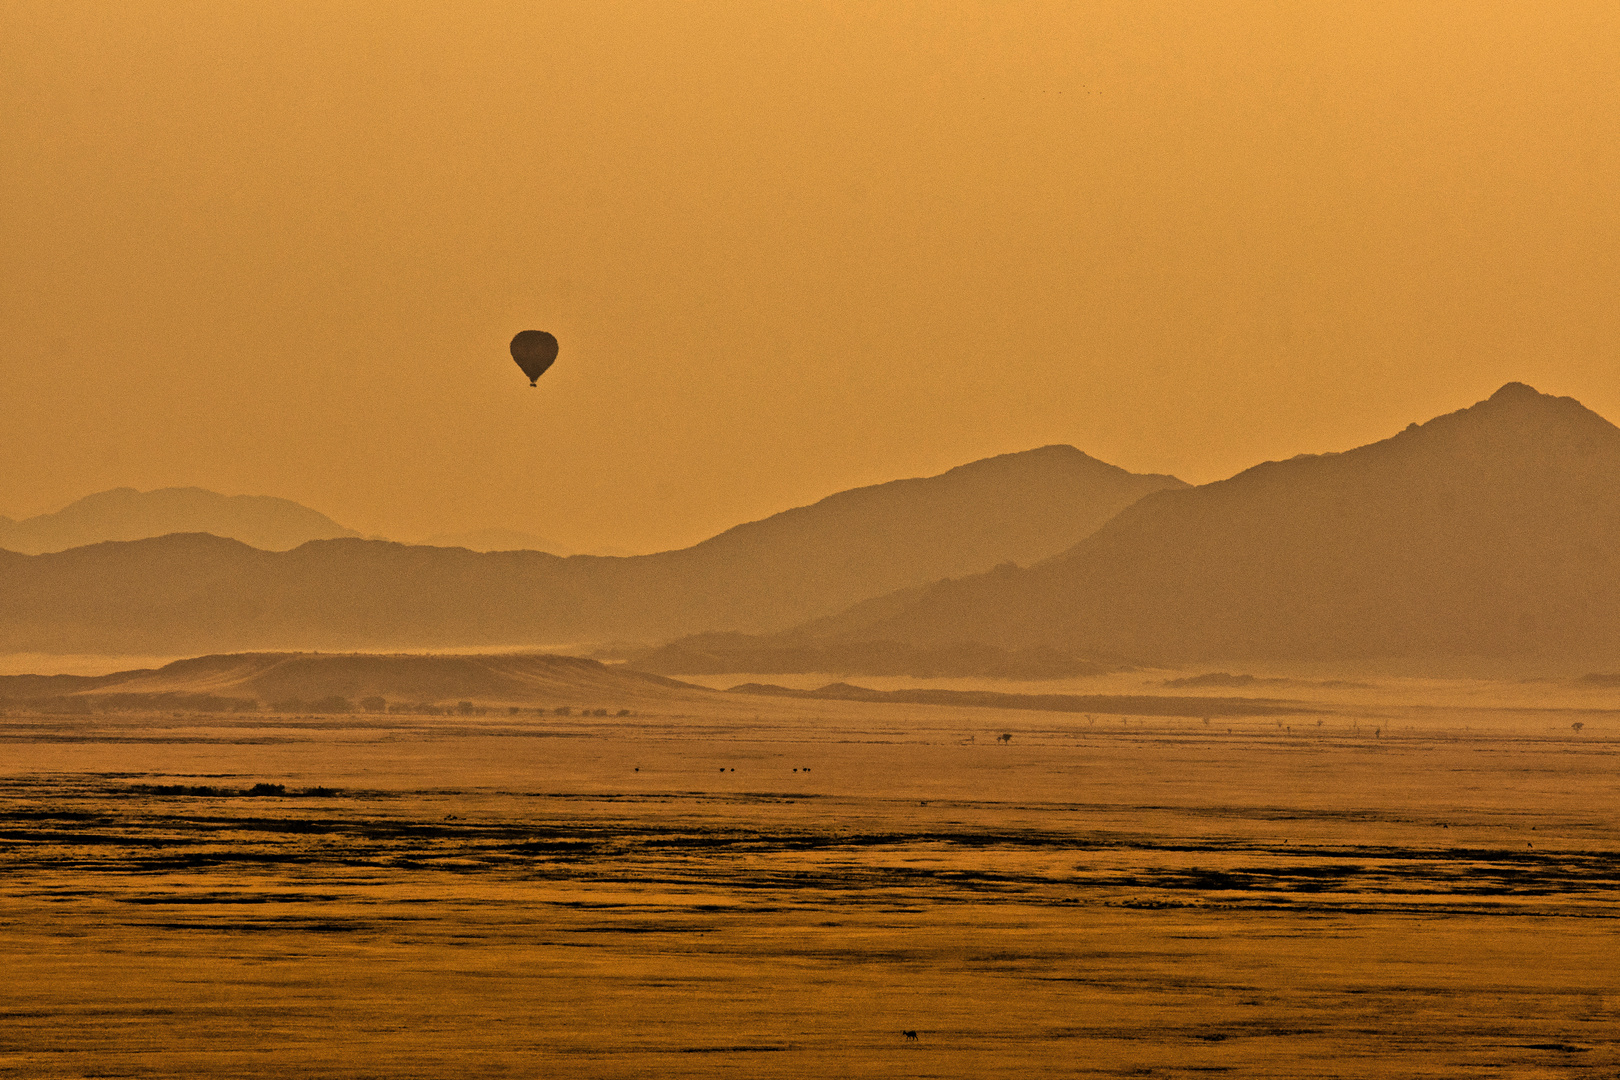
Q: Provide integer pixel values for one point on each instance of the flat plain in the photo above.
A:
(1407, 879)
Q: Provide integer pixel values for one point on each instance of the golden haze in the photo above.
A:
(788, 249)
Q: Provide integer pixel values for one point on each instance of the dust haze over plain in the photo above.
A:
(789, 250)
(1093, 275)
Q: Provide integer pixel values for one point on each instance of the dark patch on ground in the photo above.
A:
(105, 833)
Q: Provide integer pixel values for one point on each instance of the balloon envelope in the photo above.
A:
(534, 351)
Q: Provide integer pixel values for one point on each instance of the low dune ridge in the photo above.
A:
(340, 682)
(521, 678)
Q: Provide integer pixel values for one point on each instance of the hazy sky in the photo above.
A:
(788, 248)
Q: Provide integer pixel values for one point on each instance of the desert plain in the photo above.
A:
(1060, 540)
(1393, 877)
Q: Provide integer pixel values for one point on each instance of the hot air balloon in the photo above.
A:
(534, 351)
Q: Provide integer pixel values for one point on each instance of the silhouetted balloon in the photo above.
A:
(534, 351)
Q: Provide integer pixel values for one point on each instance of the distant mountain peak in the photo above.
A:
(1056, 455)
(1490, 531)
(123, 513)
(1516, 391)
(1518, 412)
(1516, 396)
(1021, 507)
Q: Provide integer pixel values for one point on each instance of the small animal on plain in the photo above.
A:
(911, 1036)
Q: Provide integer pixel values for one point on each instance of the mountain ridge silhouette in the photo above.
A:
(200, 593)
(261, 521)
(1489, 531)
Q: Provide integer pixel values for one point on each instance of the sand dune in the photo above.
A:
(269, 678)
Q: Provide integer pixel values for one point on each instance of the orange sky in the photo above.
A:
(787, 248)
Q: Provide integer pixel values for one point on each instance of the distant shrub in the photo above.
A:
(374, 704)
(599, 712)
(563, 710)
(624, 712)
(315, 792)
(266, 789)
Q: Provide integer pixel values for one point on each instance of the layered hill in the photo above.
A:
(269, 679)
(197, 593)
(126, 514)
(1489, 532)
(1016, 508)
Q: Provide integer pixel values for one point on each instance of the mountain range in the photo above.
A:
(1493, 531)
(259, 521)
(197, 592)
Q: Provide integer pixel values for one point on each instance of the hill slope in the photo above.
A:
(1493, 531)
(194, 593)
(1016, 508)
(126, 514)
